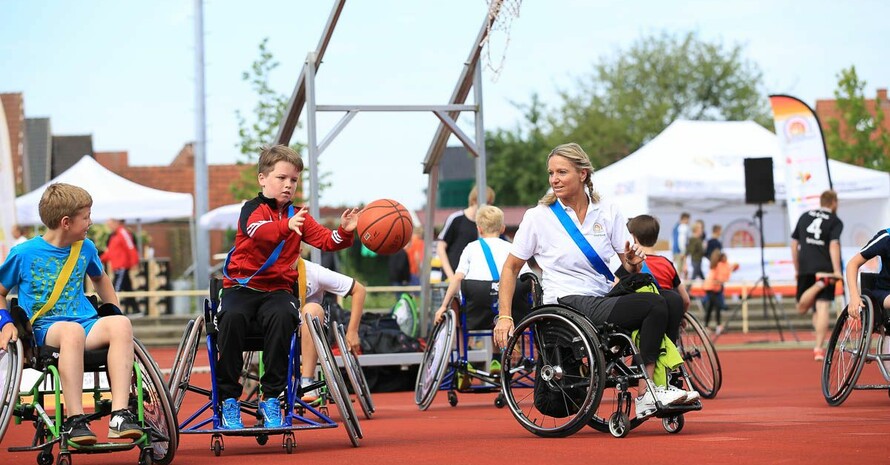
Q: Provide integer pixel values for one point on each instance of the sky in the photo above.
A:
(125, 71)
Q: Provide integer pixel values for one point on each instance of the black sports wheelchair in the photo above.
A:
(40, 400)
(854, 343)
(446, 363)
(577, 365)
(298, 414)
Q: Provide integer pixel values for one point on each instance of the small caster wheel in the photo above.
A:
(216, 445)
(64, 459)
(289, 443)
(500, 401)
(452, 398)
(262, 439)
(673, 424)
(45, 457)
(619, 424)
(145, 457)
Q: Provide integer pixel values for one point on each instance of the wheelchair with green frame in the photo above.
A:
(854, 343)
(298, 414)
(577, 366)
(40, 399)
(446, 364)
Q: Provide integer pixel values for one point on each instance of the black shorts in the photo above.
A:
(805, 281)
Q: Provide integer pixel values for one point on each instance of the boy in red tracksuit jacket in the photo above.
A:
(258, 284)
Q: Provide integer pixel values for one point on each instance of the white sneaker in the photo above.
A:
(667, 397)
(678, 392)
(692, 395)
(645, 405)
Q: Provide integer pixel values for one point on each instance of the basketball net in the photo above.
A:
(501, 14)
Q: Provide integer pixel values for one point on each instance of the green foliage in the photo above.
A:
(630, 98)
(860, 137)
(516, 164)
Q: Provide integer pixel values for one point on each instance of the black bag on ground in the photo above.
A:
(380, 334)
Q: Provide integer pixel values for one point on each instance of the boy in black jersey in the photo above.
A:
(816, 249)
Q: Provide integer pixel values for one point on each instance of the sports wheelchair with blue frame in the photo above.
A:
(41, 402)
(298, 415)
(854, 343)
(446, 363)
(575, 364)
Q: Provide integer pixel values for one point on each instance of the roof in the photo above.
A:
(38, 151)
(67, 150)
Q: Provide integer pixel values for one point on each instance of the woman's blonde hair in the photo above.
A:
(579, 159)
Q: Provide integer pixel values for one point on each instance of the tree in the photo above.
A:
(516, 164)
(860, 137)
(629, 99)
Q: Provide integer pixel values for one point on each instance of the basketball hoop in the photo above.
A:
(501, 14)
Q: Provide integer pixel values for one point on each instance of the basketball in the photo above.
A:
(385, 226)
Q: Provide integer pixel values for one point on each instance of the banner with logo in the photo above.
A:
(803, 151)
(7, 189)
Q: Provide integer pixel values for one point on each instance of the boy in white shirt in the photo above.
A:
(475, 266)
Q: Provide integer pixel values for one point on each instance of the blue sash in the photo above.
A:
(581, 241)
(645, 269)
(269, 261)
(495, 276)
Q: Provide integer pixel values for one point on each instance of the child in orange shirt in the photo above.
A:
(721, 269)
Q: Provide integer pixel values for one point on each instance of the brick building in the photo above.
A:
(827, 109)
(14, 109)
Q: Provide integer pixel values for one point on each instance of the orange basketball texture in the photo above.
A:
(385, 226)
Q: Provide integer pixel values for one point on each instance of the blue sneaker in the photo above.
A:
(231, 414)
(271, 410)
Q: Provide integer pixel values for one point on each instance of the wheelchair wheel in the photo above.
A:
(700, 358)
(157, 407)
(185, 361)
(569, 373)
(355, 374)
(846, 354)
(334, 380)
(10, 379)
(434, 363)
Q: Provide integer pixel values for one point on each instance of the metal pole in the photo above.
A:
(202, 237)
(426, 290)
(480, 139)
(312, 144)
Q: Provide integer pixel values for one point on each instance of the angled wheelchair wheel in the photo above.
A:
(700, 358)
(846, 354)
(10, 378)
(157, 407)
(334, 380)
(181, 374)
(434, 363)
(355, 374)
(569, 375)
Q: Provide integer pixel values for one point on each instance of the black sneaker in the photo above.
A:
(123, 424)
(78, 429)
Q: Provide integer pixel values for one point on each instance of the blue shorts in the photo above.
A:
(40, 331)
(880, 294)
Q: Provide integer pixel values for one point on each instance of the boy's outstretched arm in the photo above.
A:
(105, 289)
(355, 318)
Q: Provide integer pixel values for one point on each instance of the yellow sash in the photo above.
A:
(301, 281)
(61, 281)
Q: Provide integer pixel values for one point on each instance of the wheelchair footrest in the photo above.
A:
(253, 431)
(672, 410)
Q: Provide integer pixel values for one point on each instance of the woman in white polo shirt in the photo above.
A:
(578, 278)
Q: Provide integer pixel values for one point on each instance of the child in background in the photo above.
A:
(719, 275)
(695, 248)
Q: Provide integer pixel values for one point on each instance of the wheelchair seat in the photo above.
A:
(480, 302)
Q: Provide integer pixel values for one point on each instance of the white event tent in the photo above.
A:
(698, 167)
(113, 197)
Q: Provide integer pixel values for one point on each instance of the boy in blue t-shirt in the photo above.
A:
(71, 323)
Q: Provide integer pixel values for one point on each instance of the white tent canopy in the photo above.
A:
(698, 167)
(113, 197)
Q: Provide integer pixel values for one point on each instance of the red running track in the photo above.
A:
(769, 411)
